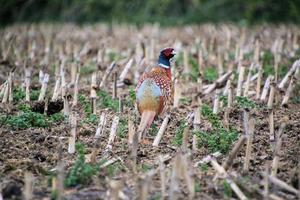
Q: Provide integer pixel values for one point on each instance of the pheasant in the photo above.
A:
(154, 90)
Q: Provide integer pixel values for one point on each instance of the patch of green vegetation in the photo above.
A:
(81, 172)
(113, 56)
(197, 186)
(56, 117)
(244, 102)
(267, 58)
(227, 189)
(24, 107)
(54, 195)
(153, 130)
(208, 114)
(177, 140)
(34, 94)
(210, 74)
(224, 99)
(114, 169)
(185, 101)
(122, 129)
(18, 94)
(27, 119)
(269, 70)
(145, 167)
(130, 98)
(219, 139)
(88, 69)
(204, 167)
(194, 68)
(91, 119)
(86, 104)
(106, 101)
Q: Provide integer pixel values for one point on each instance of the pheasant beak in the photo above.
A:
(173, 52)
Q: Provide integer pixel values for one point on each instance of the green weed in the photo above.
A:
(88, 69)
(122, 129)
(177, 140)
(91, 119)
(114, 169)
(204, 167)
(244, 102)
(130, 99)
(227, 189)
(27, 120)
(18, 94)
(153, 130)
(34, 94)
(106, 101)
(86, 104)
(56, 118)
(219, 139)
(210, 74)
(81, 172)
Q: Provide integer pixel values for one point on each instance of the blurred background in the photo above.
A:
(168, 12)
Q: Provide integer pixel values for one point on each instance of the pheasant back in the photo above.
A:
(154, 90)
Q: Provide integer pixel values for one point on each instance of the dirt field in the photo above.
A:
(36, 144)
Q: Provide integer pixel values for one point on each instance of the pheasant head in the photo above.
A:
(164, 57)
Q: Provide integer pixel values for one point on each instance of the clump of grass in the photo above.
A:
(88, 69)
(114, 169)
(130, 99)
(219, 138)
(177, 140)
(153, 129)
(24, 107)
(56, 118)
(204, 167)
(18, 94)
(34, 94)
(107, 101)
(244, 102)
(27, 119)
(86, 104)
(210, 74)
(122, 129)
(227, 189)
(185, 101)
(81, 172)
(91, 119)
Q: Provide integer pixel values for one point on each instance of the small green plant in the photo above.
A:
(34, 94)
(197, 187)
(219, 138)
(224, 100)
(81, 172)
(122, 129)
(56, 118)
(153, 130)
(145, 167)
(204, 167)
(114, 169)
(18, 94)
(177, 140)
(244, 102)
(86, 104)
(107, 101)
(85, 70)
(227, 189)
(210, 74)
(91, 119)
(130, 99)
(24, 107)
(185, 101)
(27, 119)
